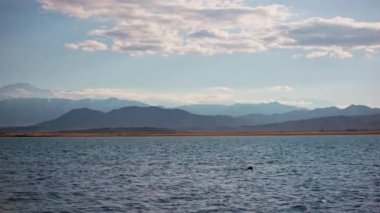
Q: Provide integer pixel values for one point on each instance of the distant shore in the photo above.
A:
(180, 134)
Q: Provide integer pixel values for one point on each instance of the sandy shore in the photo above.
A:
(184, 134)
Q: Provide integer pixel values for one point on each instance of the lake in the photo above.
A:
(191, 174)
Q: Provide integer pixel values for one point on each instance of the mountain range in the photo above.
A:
(353, 110)
(126, 117)
(47, 114)
(29, 111)
(179, 120)
(239, 109)
(24, 104)
(24, 90)
(335, 123)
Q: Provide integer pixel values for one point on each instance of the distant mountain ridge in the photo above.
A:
(24, 111)
(179, 120)
(80, 119)
(353, 110)
(335, 123)
(238, 109)
(29, 111)
(23, 90)
(24, 104)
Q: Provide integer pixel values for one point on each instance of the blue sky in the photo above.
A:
(186, 51)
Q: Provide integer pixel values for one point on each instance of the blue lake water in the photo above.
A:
(191, 174)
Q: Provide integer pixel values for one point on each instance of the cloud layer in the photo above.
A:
(213, 27)
(88, 46)
(334, 37)
(213, 95)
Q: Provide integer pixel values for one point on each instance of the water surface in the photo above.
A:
(191, 174)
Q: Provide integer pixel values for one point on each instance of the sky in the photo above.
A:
(300, 52)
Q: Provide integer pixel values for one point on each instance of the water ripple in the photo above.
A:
(190, 174)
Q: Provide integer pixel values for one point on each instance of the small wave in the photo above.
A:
(300, 208)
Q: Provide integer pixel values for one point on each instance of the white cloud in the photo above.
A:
(339, 53)
(209, 95)
(281, 88)
(177, 26)
(317, 54)
(331, 52)
(87, 46)
(214, 27)
(335, 37)
(338, 31)
(212, 95)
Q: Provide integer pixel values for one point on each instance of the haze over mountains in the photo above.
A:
(353, 110)
(24, 104)
(335, 123)
(48, 114)
(24, 90)
(126, 117)
(179, 120)
(28, 111)
(238, 109)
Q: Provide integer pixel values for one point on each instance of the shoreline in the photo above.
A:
(180, 134)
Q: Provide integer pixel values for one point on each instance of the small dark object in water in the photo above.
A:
(250, 168)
